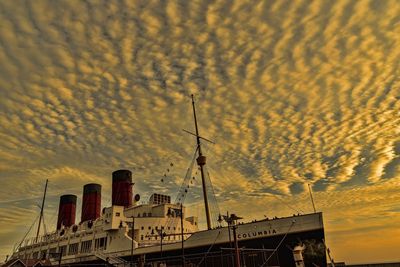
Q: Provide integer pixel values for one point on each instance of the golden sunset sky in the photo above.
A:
(292, 93)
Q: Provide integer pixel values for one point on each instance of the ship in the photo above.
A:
(158, 232)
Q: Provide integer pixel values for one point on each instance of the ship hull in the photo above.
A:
(262, 251)
(254, 252)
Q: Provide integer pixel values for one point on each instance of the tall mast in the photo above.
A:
(41, 210)
(201, 161)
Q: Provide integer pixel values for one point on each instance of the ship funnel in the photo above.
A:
(66, 211)
(91, 202)
(122, 188)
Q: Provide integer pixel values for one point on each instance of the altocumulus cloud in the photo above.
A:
(292, 92)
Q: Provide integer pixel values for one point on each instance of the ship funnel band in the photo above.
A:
(68, 199)
(122, 175)
(91, 188)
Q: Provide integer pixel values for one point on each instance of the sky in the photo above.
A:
(291, 92)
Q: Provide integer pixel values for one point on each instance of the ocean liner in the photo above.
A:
(159, 233)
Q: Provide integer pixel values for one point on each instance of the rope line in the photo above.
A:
(30, 228)
(280, 243)
(209, 249)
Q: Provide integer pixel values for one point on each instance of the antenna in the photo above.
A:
(312, 199)
(199, 136)
(41, 210)
(201, 161)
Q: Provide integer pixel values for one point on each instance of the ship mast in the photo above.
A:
(41, 210)
(201, 161)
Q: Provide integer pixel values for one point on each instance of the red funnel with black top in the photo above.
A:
(91, 202)
(66, 211)
(122, 188)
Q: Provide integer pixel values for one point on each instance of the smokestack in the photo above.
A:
(91, 202)
(66, 211)
(122, 188)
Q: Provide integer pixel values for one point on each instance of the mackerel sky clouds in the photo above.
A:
(292, 93)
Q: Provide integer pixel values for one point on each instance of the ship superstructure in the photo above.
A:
(110, 231)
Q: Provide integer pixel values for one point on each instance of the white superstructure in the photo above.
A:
(111, 233)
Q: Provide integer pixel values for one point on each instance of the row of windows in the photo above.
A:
(149, 214)
(142, 237)
(86, 246)
(162, 228)
(47, 253)
(159, 199)
(145, 214)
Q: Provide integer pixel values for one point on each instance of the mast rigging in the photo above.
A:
(41, 209)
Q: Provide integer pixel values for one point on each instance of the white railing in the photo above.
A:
(113, 260)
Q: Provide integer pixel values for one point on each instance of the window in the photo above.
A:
(142, 228)
(63, 250)
(156, 227)
(86, 246)
(117, 214)
(73, 249)
(149, 227)
(100, 243)
(144, 214)
(52, 251)
(141, 237)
